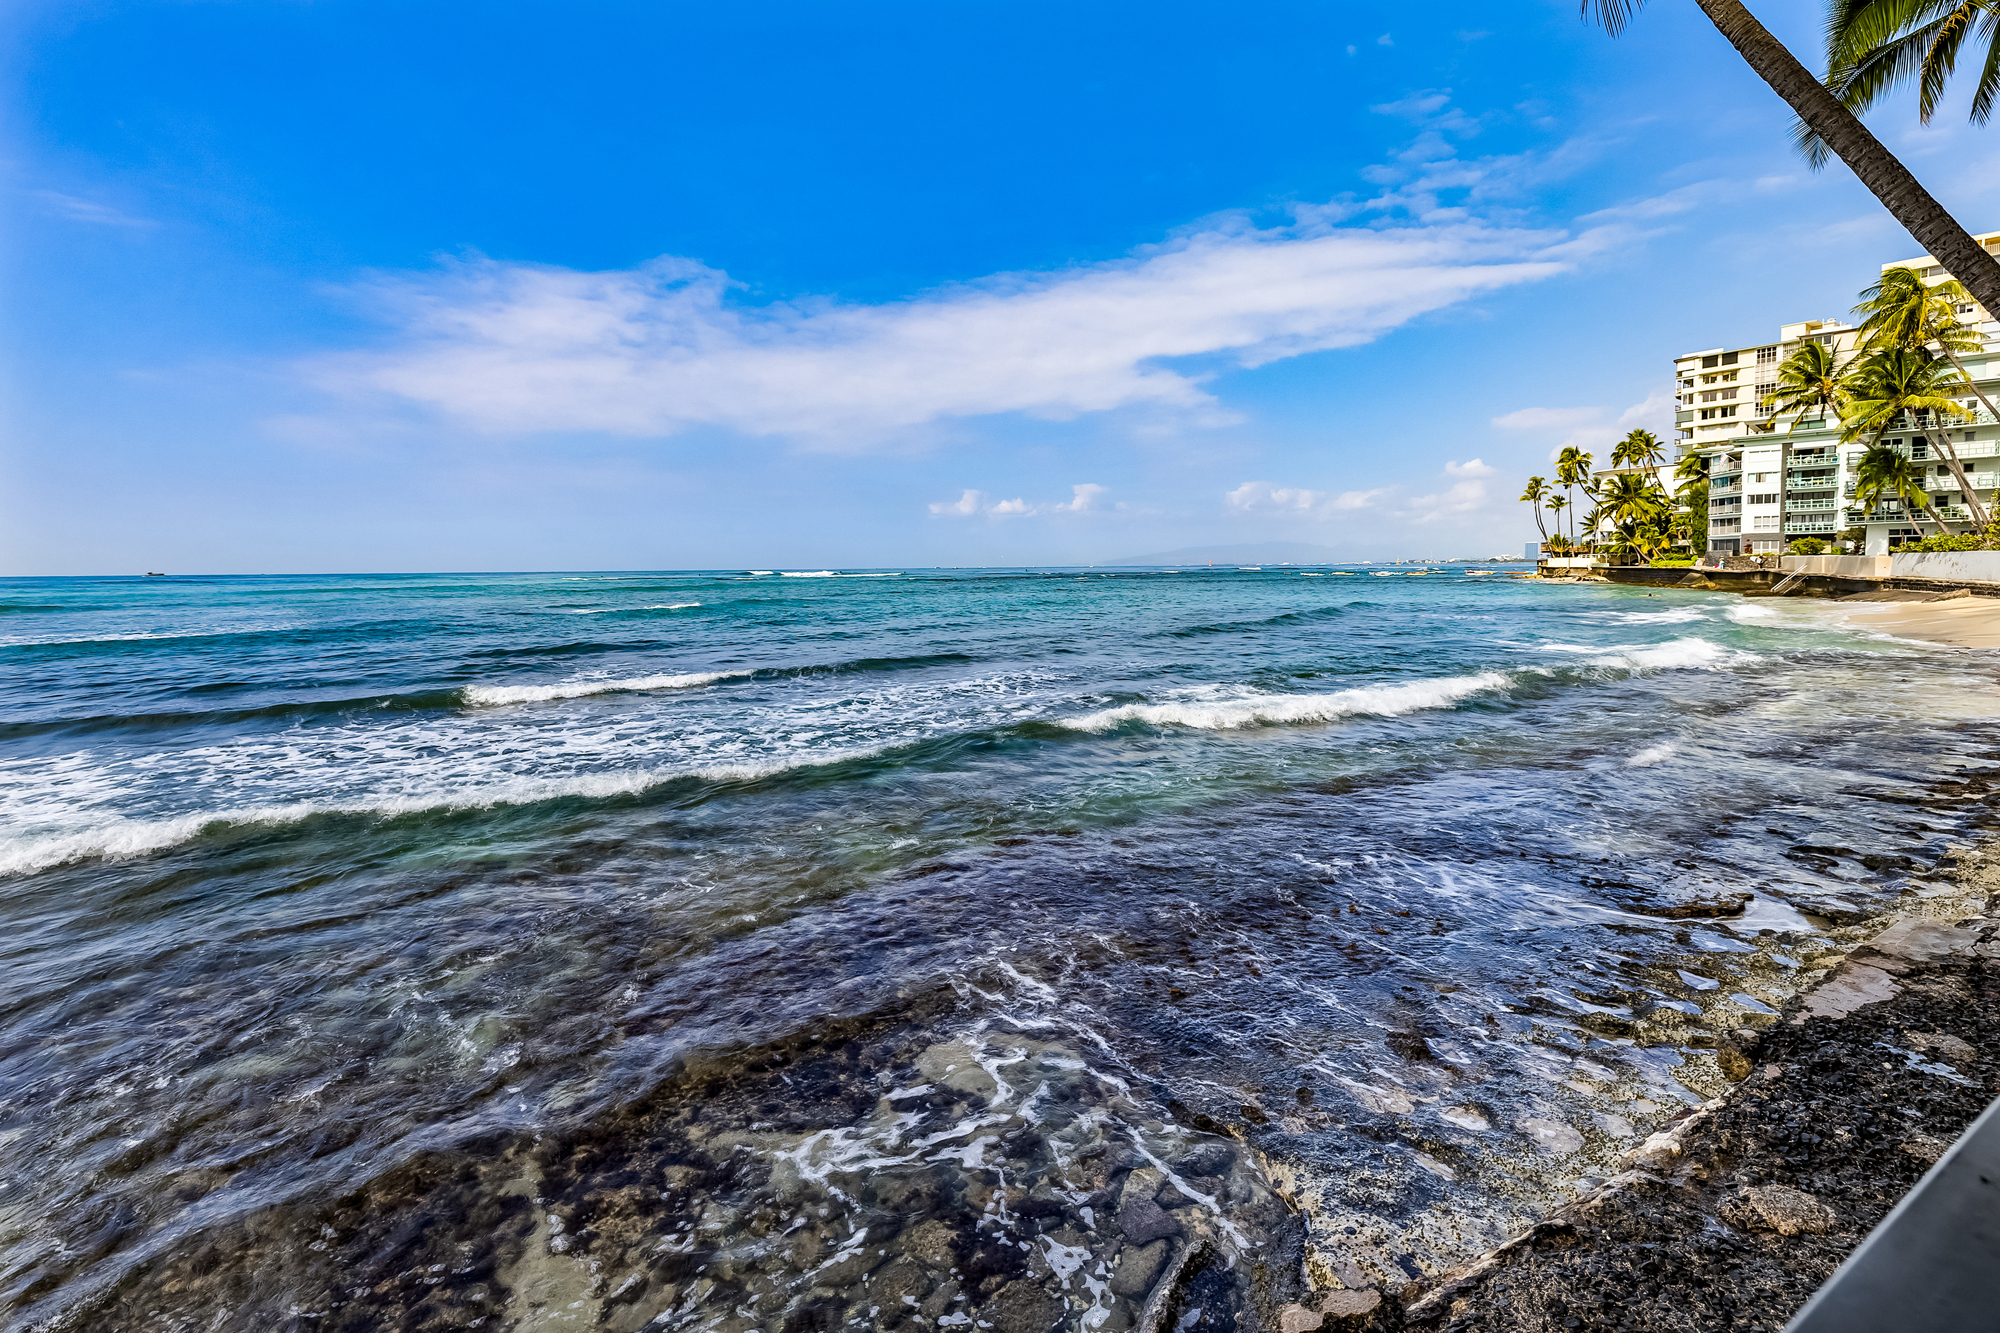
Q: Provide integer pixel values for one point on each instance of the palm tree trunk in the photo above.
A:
(1979, 514)
(1886, 178)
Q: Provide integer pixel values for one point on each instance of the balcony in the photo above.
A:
(1810, 526)
(1811, 506)
(1825, 484)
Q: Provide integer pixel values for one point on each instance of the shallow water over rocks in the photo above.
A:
(1028, 951)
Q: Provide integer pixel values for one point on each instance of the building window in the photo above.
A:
(1770, 499)
(1766, 355)
(1728, 394)
(1709, 362)
(1934, 271)
(1710, 396)
(1729, 358)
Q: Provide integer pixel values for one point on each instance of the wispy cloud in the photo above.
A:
(1462, 497)
(88, 210)
(1591, 428)
(1261, 497)
(668, 346)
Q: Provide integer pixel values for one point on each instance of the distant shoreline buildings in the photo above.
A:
(1776, 477)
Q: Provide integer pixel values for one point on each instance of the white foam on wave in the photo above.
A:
(1678, 616)
(1691, 653)
(1267, 709)
(1749, 611)
(811, 574)
(577, 689)
(1651, 755)
(606, 610)
(117, 836)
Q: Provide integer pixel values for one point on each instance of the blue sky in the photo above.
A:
(367, 286)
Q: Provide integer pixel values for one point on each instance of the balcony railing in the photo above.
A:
(1810, 525)
(1810, 506)
(1826, 485)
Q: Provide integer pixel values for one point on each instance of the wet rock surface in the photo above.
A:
(874, 1176)
(1734, 1219)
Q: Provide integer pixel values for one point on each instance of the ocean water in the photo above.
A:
(927, 949)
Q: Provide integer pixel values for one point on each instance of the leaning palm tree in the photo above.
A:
(1883, 473)
(1891, 384)
(1873, 45)
(1902, 310)
(1537, 492)
(1827, 117)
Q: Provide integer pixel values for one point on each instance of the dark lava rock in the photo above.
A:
(1144, 1221)
(1771, 1189)
(1023, 1307)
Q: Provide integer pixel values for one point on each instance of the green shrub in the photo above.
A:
(1808, 546)
(1672, 561)
(1988, 540)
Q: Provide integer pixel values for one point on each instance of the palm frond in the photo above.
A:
(1612, 15)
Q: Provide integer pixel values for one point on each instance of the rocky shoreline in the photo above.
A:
(1737, 1214)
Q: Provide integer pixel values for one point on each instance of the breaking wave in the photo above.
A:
(577, 689)
(1273, 709)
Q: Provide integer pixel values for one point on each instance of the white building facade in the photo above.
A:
(1774, 478)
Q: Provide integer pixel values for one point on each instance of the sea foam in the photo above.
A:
(119, 836)
(577, 689)
(1267, 709)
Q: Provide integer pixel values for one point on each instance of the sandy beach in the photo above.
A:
(1966, 622)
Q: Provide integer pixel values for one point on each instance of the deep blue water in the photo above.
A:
(957, 907)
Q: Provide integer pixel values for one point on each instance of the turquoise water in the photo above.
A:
(501, 950)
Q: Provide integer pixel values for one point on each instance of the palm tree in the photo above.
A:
(1573, 469)
(1827, 118)
(1537, 492)
(1810, 380)
(1636, 507)
(1873, 45)
(1692, 475)
(1902, 310)
(1556, 505)
(1885, 474)
(1637, 449)
(1889, 384)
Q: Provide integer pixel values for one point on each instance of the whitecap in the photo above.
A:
(1679, 615)
(1749, 611)
(1651, 755)
(576, 689)
(120, 836)
(811, 574)
(1692, 652)
(1224, 714)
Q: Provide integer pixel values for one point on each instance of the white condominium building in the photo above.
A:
(1777, 477)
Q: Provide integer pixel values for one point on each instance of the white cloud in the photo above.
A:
(1084, 499)
(1261, 497)
(1461, 497)
(1593, 429)
(968, 503)
(663, 348)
